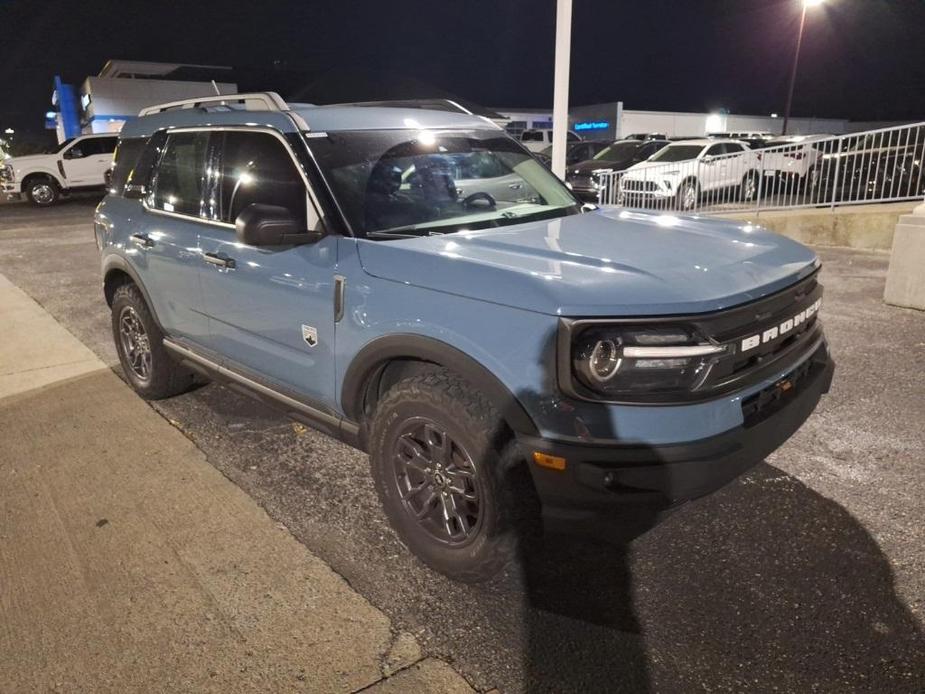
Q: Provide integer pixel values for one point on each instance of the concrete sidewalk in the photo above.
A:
(128, 563)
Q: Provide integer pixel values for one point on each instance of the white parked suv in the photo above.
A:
(536, 140)
(679, 174)
(77, 164)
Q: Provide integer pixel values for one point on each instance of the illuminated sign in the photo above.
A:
(592, 125)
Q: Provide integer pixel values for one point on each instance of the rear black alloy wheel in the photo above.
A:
(148, 366)
(135, 344)
(437, 482)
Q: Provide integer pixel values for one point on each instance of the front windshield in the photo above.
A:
(393, 183)
(677, 153)
(618, 151)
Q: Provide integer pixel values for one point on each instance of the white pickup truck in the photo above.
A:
(77, 164)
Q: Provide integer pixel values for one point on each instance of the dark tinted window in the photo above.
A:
(94, 146)
(125, 158)
(179, 182)
(648, 149)
(257, 168)
(715, 150)
(733, 148)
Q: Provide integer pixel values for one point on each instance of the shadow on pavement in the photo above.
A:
(765, 586)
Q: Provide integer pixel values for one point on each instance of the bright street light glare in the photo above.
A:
(812, 3)
(9, 131)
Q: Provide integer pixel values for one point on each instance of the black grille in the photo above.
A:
(758, 407)
(639, 186)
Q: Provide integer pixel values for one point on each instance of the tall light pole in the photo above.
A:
(796, 60)
(560, 85)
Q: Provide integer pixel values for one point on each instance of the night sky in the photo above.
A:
(862, 59)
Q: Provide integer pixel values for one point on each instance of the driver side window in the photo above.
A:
(257, 168)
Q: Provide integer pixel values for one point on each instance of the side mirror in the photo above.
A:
(707, 159)
(73, 153)
(270, 225)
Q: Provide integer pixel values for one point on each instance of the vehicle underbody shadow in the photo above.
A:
(763, 586)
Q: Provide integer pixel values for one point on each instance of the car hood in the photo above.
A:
(26, 158)
(644, 166)
(585, 168)
(602, 263)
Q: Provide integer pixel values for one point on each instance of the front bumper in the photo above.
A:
(10, 190)
(615, 492)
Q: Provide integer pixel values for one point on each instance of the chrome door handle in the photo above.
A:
(218, 260)
(515, 186)
(142, 240)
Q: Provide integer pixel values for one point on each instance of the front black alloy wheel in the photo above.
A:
(437, 481)
(449, 476)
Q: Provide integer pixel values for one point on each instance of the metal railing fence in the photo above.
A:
(874, 166)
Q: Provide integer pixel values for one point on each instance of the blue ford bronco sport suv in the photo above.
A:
(413, 282)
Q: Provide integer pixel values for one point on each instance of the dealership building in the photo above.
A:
(104, 102)
(610, 121)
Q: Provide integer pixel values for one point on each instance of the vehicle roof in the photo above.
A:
(318, 118)
(702, 141)
(385, 118)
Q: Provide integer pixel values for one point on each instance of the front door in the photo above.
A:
(86, 161)
(271, 310)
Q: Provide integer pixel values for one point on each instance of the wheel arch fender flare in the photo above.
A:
(115, 264)
(381, 351)
(43, 172)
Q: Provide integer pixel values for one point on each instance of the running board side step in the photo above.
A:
(326, 422)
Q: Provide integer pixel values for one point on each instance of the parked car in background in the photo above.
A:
(743, 135)
(77, 164)
(644, 136)
(575, 152)
(793, 161)
(584, 177)
(679, 174)
(873, 165)
(498, 360)
(536, 140)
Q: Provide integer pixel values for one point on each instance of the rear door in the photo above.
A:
(271, 310)
(164, 245)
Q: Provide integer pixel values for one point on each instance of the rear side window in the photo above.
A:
(125, 159)
(179, 181)
(257, 168)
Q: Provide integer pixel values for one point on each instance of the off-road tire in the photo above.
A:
(507, 508)
(42, 191)
(166, 377)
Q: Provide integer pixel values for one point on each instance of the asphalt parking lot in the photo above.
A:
(806, 574)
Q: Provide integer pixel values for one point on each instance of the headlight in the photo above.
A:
(614, 362)
(6, 172)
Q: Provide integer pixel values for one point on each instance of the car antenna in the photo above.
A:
(217, 90)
